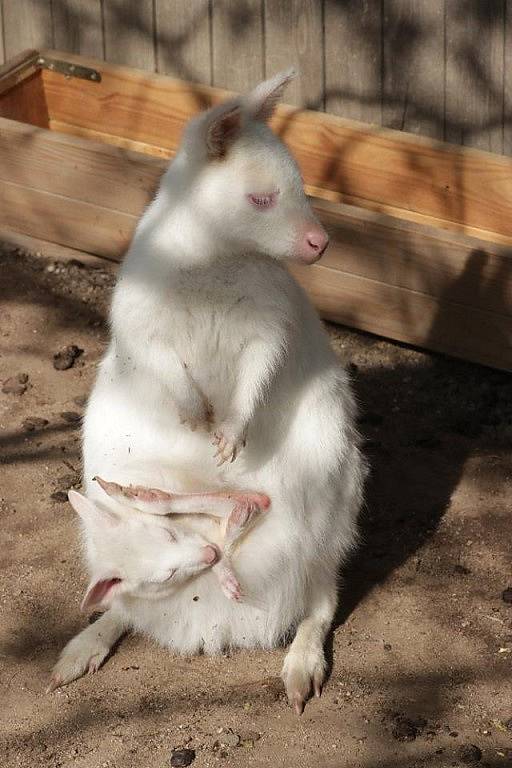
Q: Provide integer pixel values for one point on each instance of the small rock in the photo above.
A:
(33, 423)
(506, 595)
(182, 757)
(469, 754)
(229, 739)
(387, 646)
(66, 357)
(461, 569)
(16, 385)
(72, 417)
(406, 729)
(247, 738)
(59, 496)
(81, 400)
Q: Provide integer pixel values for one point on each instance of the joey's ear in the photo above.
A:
(263, 100)
(100, 593)
(88, 510)
(222, 130)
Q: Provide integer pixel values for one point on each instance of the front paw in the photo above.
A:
(229, 442)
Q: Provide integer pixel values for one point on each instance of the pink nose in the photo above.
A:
(317, 240)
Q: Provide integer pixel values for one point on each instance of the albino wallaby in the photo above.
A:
(214, 342)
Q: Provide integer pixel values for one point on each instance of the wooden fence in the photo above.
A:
(442, 68)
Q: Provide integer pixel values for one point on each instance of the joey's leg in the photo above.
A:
(240, 519)
(160, 502)
(87, 651)
(305, 666)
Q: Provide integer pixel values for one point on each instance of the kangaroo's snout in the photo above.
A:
(312, 244)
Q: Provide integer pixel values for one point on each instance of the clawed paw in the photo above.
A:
(228, 446)
(228, 581)
(78, 658)
(303, 676)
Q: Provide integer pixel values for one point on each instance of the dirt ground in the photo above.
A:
(422, 647)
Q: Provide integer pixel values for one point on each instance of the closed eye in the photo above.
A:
(263, 200)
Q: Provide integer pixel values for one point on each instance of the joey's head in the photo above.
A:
(242, 183)
(133, 553)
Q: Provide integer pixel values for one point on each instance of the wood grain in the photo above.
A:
(65, 221)
(413, 66)
(129, 32)
(372, 165)
(294, 37)
(183, 43)
(397, 313)
(77, 27)
(27, 24)
(474, 75)
(353, 56)
(237, 36)
(89, 171)
(26, 102)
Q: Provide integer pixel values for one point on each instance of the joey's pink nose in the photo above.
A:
(317, 241)
(210, 554)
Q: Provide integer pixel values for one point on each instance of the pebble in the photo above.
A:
(229, 739)
(66, 357)
(182, 757)
(16, 385)
(247, 738)
(506, 595)
(59, 496)
(33, 423)
(81, 400)
(72, 417)
(407, 729)
(469, 754)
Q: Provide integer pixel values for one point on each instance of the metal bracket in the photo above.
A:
(68, 69)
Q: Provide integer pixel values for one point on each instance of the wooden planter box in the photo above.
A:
(421, 231)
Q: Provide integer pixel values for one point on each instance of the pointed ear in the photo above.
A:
(263, 100)
(88, 510)
(222, 130)
(100, 593)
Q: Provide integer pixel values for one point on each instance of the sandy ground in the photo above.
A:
(422, 647)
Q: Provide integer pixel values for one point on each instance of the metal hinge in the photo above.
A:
(68, 69)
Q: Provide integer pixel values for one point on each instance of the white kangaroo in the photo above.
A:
(213, 342)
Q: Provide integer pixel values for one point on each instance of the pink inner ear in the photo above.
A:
(97, 593)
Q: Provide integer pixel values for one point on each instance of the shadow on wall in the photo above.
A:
(418, 67)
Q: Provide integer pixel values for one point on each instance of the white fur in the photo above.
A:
(205, 312)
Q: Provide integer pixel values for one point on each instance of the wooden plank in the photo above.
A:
(129, 33)
(65, 221)
(2, 49)
(294, 37)
(26, 102)
(106, 176)
(183, 44)
(77, 27)
(423, 259)
(370, 165)
(413, 66)
(110, 138)
(397, 313)
(237, 36)
(26, 25)
(17, 69)
(507, 85)
(474, 74)
(353, 56)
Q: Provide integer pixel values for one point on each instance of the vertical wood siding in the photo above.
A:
(442, 68)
